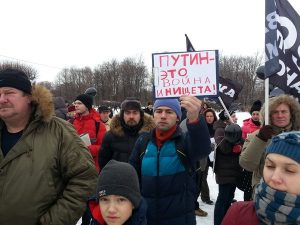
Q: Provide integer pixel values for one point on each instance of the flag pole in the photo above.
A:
(225, 108)
(267, 101)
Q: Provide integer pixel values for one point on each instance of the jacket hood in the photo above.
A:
(117, 129)
(219, 124)
(42, 100)
(93, 114)
(291, 102)
(59, 102)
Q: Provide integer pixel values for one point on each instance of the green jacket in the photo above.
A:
(47, 177)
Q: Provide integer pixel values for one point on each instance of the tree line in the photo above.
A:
(115, 80)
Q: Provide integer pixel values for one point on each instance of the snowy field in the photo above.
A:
(213, 188)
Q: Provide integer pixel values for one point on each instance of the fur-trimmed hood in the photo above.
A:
(117, 129)
(42, 102)
(290, 101)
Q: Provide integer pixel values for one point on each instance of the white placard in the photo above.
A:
(186, 73)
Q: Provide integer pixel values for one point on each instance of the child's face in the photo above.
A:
(115, 209)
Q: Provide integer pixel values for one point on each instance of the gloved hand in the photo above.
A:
(265, 133)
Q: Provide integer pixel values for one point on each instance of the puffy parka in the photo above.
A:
(87, 124)
(118, 143)
(248, 128)
(48, 174)
(166, 183)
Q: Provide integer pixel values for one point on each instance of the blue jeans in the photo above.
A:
(225, 196)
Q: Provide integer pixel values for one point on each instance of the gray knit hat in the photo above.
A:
(119, 178)
(286, 144)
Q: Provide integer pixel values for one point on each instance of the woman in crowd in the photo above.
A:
(277, 196)
(210, 117)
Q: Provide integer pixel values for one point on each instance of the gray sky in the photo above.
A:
(53, 34)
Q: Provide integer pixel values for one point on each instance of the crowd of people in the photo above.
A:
(60, 162)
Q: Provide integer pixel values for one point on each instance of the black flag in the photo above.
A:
(282, 46)
(189, 46)
(228, 89)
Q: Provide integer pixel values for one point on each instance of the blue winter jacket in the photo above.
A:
(167, 186)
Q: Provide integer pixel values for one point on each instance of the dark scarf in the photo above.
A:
(256, 122)
(276, 207)
(211, 129)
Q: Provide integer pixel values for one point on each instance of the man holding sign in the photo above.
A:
(165, 157)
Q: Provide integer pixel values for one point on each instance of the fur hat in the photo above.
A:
(86, 99)
(171, 103)
(119, 178)
(131, 104)
(16, 79)
(286, 144)
(256, 106)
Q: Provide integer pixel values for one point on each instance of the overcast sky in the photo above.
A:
(54, 34)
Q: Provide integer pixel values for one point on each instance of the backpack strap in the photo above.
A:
(144, 143)
(97, 124)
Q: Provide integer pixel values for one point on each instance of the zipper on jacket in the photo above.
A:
(157, 178)
(157, 162)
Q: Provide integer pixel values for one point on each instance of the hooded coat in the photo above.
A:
(226, 164)
(118, 143)
(252, 157)
(48, 174)
(60, 108)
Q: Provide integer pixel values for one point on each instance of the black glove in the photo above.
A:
(265, 133)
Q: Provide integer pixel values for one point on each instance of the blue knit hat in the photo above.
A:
(171, 103)
(286, 144)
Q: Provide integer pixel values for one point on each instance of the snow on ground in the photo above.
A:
(213, 188)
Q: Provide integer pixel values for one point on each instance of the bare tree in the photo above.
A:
(28, 70)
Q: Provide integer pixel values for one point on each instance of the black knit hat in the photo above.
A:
(119, 178)
(87, 100)
(16, 79)
(256, 106)
(131, 104)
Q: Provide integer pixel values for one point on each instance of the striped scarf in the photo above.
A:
(276, 207)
